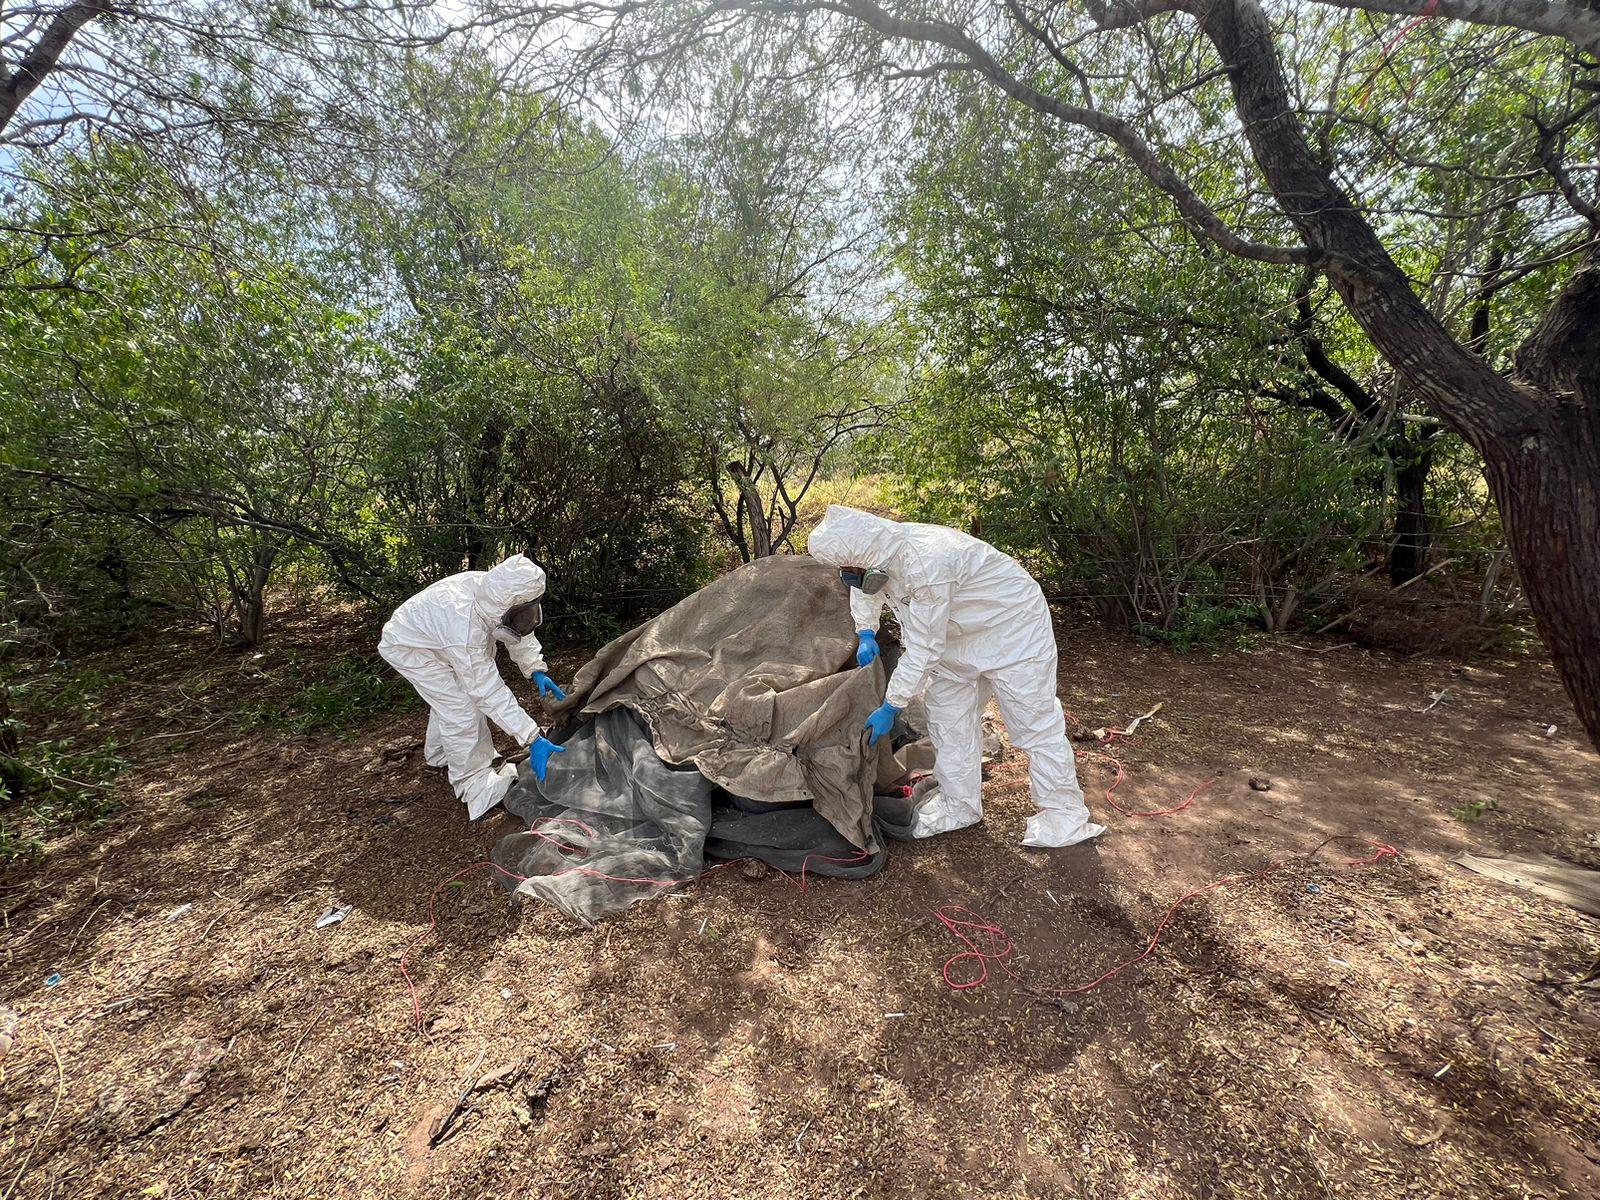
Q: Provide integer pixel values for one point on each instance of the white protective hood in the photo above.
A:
(459, 617)
(916, 556)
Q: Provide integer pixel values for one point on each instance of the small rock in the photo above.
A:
(497, 1076)
(1258, 784)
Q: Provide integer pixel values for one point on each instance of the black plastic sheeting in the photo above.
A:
(612, 824)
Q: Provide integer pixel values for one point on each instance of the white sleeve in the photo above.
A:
(866, 611)
(923, 628)
(475, 668)
(527, 654)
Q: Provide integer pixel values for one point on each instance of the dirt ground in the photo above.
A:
(1394, 1030)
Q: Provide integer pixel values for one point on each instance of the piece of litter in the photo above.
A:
(1338, 962)
(1052, 896)
(179, 911)
(52, 979)
(703, 925)
(801, 1134)
(1313, 889)
(665, 1046)
(1134, 724)
(1442, 1071)
(505, 993)
(334, 915)
(1549, 731)
(892, 1016)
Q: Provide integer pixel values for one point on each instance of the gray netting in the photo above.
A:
(729, 726)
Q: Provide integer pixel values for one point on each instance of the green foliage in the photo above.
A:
(317, 698)
(1095, 402)
(176, 425)
(1473, 810)
(48, 783)
(474, 320)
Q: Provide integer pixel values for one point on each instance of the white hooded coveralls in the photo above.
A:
(443, 641)
(972, 621)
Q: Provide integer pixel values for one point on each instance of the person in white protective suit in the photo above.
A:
(443, 641)
(972, 621)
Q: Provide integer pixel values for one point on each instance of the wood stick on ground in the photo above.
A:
(55, 1107)
(449, 1118)
(310, 1025)
(1139, 720)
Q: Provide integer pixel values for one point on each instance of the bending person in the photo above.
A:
(972, 621)
(442, 640)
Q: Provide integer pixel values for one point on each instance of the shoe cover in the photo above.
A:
(1053, 830)
(936, 815)
(492, 792)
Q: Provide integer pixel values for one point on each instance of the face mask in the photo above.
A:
(523, 619)
(869, 579)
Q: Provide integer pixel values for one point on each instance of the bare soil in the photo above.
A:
(1394, 1030)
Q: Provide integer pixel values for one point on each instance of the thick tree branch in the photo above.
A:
(1550, 150)
(1340, 418)
(1125, 14)
(1366, 405)
(1570, 22)
(37, 64)
(1461, 388)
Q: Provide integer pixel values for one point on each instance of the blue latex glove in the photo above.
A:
(866, 647)
(539, 755)
(547, 686)
(880, 722)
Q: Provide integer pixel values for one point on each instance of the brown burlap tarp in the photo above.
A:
(753, 681)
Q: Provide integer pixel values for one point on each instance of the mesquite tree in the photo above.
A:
(1537, 425)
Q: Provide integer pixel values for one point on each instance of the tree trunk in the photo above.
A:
(1545, 487)
(483, 476)
(252, 598)
(1408, 548)
(1539, 435)
(750, 498)
(1546, 482)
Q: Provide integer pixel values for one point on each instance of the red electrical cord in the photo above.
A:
(996, 945)
(1112, 735)
(964, 924)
